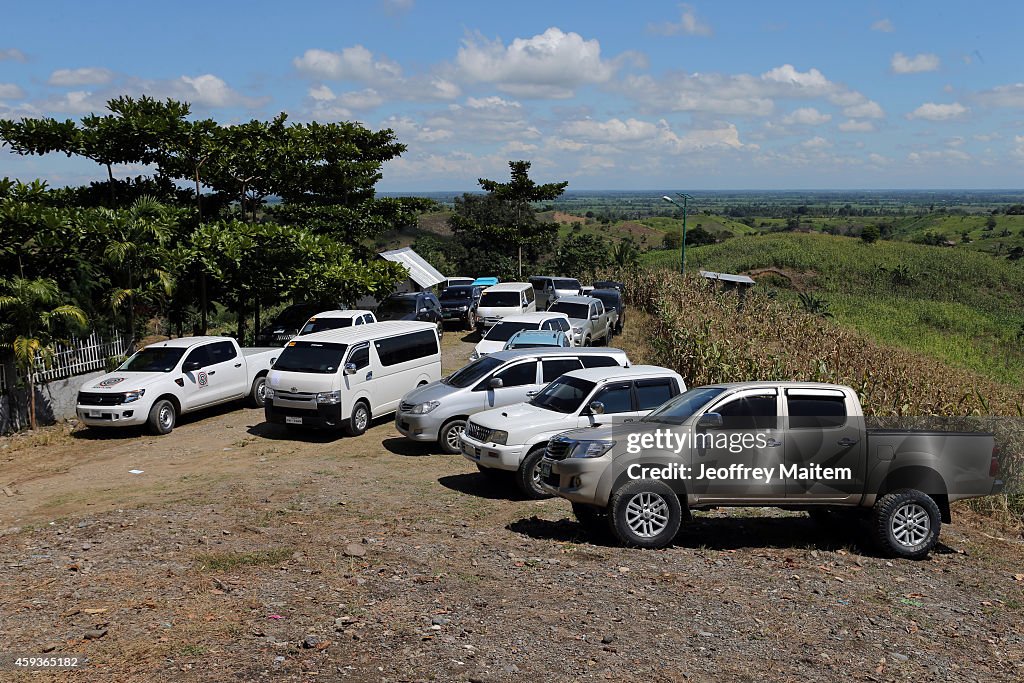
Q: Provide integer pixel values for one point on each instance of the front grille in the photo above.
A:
(294, 395)
(405, 407)
(558, 448)
(86, 398)
(477, 432)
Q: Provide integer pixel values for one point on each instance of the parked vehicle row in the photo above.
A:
(499, 335)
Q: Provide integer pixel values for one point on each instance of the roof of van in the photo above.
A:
(513, 354)
(185, 342)
(635, 372)
(508, 287)
(347, 313)
(352, 335)
(538, 317)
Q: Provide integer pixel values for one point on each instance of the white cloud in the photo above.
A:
(883, 26)
(928, 156)
(492, 102)
(787, 74)
(806, 116)
(11, 91)
(12, 54)
(1011, 95)
(612, 130)
(208, 90)
(367, 98)
(878, 159)
(408, 129)
(322, 93)
(817, 142)
(688, 24)
(865, 110)
(354, 63)
(857, 126)
(930, 111)
(85, 76)
(902, 64)
(549, 65)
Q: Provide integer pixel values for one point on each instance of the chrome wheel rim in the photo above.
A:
(261, 392)
(453, 434)
(166, 417)
(910, 525)
(361, 418)
(647, 514)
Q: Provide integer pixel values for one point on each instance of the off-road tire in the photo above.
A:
(906, 524)
(645, 514)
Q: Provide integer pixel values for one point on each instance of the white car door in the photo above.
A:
(227, 372)
(617, 398)
(198, 388)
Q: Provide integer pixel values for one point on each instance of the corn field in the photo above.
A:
(711, 336)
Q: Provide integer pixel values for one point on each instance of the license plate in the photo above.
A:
(293, 420)
(545, 468)
(470, 451)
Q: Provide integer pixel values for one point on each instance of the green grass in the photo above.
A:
(963, 307)
(259, 558)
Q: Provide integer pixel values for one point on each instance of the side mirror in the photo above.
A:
(710, 421)
(596, 408)
(533, 393)
(191, 365)
(350, 368)
(496, 383)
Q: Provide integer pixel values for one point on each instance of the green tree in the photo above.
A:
(870, 234)
(625, 254)
(33, 319)
(582, 256)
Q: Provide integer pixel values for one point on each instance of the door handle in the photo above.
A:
(628, 419)
(846, 441)
(212, 372)
(772, 443)
(238, 365)
(369, 375)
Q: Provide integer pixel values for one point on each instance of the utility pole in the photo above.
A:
(685, 197)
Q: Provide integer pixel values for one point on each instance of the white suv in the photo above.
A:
(494, 339)
(513, 438)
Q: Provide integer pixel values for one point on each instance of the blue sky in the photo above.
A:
(607, 95)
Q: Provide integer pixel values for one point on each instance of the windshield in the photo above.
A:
(578, 311)
(462, 292)
(500, 299)
(300, 356)
(564, 395)
(321, 324)
(472, 373)
(566, 283)
(397, 307)
(502, 332)
(683, 406)
(162, 359)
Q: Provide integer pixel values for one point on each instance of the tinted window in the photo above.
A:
(321, 324)
(368, 318)
(318, 357)
(460, 292)
(566, 283)
(816, 412)
(466, 376)
(651, 393)
(396, 307)
(502, 332)
(199, 355)
(222, 352)
(505, 299)
(682, 407)
(152, 359)
(598, 361)
(610, 299)
(617, 398)
(563, 325)
(556, 367)
(571, 310)
(564, 395)
(519, 374)
(749, 412)
(360, 356)
(406, 347)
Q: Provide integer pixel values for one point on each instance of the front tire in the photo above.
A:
(528, 475)
(162, 417)
(448, 437)
(258, 393)
(359, 420)
(907, 523)
(645, 514)
(592, 518)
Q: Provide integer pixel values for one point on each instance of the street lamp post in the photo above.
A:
(686, 198)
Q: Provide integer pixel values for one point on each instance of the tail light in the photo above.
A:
(993, 468)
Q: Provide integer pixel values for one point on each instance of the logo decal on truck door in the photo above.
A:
(202, 380)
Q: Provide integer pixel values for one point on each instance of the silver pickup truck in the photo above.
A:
(794, 445)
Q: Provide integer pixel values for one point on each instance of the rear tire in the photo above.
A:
(162, 417)
(258, 393)
(907, 523)
(645, 514)
(448, 437)
(357, 423)
(528, 475)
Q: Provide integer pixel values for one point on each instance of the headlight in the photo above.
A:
(590, 449)
(475, 355)
(499, 436)
(463, 308)
(329, 397)
(424, 408)
(577, 330)
(268, 393)
(130, 396)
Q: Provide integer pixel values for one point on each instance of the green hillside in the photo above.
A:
(961, 306)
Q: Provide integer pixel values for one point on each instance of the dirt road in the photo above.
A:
(240, 553)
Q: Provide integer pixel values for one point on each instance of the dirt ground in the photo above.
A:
(242, 553)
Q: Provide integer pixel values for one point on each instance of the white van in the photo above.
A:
(344, 377)
(334, 320)
(500, 300)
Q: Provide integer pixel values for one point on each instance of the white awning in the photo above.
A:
(421, 272)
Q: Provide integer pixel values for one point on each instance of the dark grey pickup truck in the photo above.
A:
(794, 445)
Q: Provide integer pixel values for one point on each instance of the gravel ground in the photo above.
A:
(241, 553)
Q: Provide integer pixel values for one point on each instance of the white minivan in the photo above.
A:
(344, 377)
(503, 299)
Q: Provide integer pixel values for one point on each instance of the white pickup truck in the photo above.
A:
(167, 379)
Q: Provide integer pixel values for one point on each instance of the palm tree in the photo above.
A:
(625, 254)
(33, 317)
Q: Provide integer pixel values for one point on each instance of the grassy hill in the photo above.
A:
(960, 306)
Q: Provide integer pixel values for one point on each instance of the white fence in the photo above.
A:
(82, 356)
